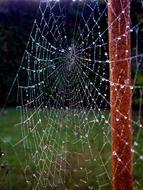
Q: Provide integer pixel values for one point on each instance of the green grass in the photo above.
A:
(60, 133)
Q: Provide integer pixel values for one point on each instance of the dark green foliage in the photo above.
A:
(11, 134)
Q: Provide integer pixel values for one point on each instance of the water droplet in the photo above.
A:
(34, 175)
(114, 153)
(86, 87)
(2, 154)
(132, 150)
(117, 119)
(126, 81)
(86, 135)
(141, 157)
(106, 121)
(131, 87)
(135, 143)
(102, 117)
(62, 50)
(119, 160)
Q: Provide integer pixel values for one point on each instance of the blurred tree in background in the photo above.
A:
(16, 19)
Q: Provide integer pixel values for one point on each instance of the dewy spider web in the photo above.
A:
(63, 95)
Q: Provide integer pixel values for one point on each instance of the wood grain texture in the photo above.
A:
(120, 93)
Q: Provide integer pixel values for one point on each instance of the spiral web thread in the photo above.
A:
(63, 95)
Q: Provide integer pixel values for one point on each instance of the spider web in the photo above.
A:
(63, 96)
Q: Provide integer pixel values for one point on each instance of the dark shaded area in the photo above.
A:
(16, 19)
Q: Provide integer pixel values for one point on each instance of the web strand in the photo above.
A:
(63, 97)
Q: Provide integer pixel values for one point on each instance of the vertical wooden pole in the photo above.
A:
(120, 93)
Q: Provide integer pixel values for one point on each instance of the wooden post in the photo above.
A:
(120, 93)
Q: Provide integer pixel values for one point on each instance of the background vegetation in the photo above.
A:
(16, 19)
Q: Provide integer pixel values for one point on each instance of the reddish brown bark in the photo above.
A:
(120, 93)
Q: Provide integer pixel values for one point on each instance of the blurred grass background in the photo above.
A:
(15, 158)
